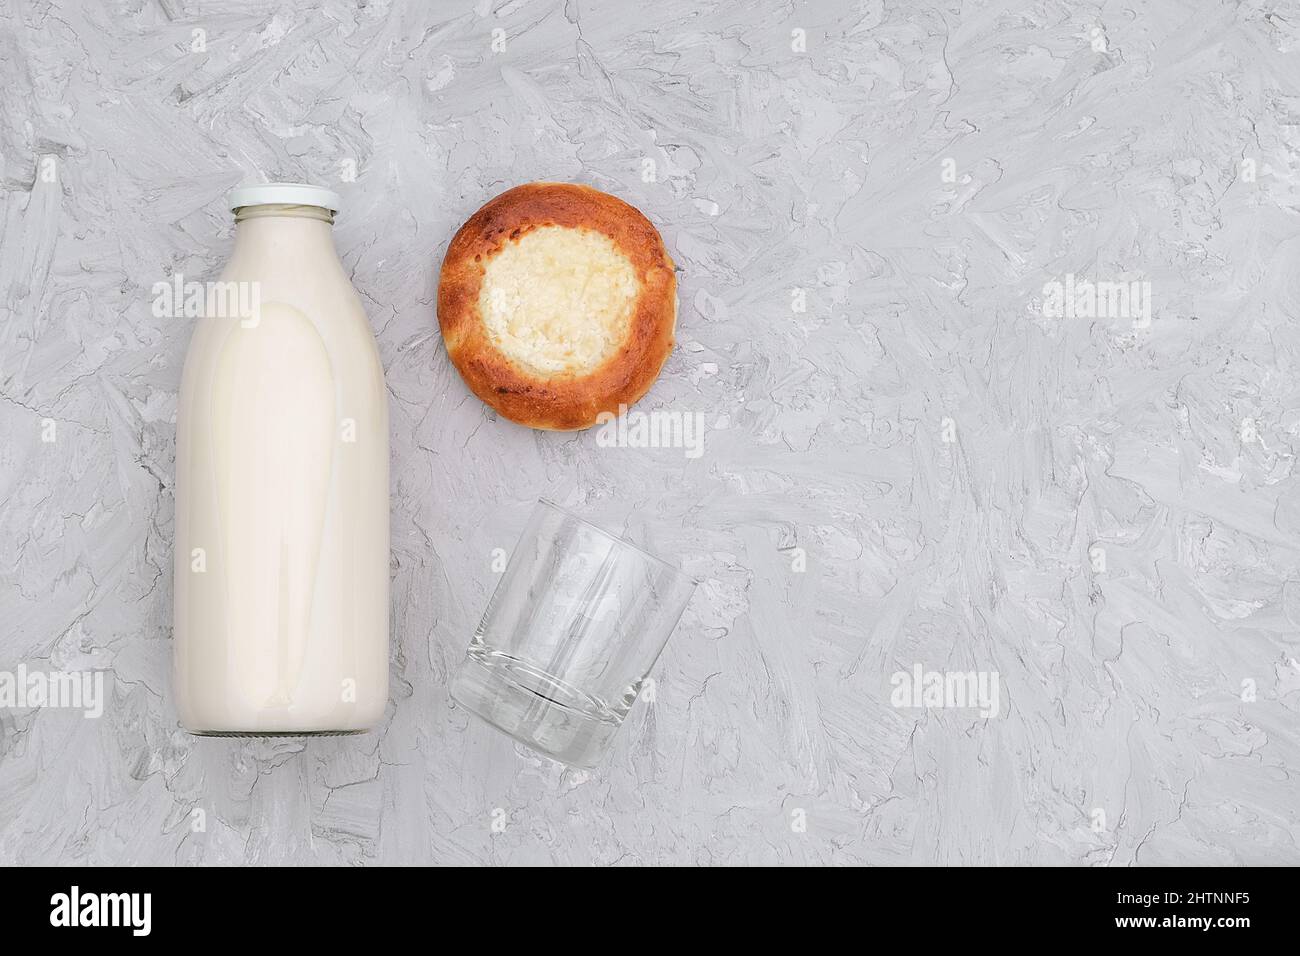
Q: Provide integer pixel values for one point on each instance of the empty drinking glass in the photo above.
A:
(571, 632)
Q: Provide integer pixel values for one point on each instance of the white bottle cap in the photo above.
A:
(289, 194)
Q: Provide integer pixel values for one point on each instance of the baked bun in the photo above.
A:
(557, 302)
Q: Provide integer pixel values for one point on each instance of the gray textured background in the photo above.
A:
(775, 170)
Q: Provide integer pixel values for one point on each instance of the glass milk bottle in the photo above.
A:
(282, 550)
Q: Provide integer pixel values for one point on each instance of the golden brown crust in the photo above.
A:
(567, 401)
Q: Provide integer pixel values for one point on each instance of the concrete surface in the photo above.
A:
(911, 457)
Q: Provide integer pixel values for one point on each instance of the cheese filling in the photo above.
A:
(558, 300)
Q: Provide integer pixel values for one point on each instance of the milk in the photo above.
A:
(282, 548)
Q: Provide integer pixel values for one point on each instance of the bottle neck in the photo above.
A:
(284, 236)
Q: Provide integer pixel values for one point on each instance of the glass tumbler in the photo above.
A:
(572, 630)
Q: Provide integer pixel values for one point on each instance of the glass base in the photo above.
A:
(536, 709)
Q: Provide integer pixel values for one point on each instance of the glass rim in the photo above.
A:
(618, 539)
